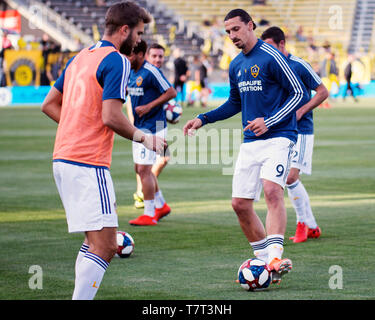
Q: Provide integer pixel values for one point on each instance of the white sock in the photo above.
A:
(275, 246)
(89, 276)
(81, 253)
(159, 199)
(149, 209)
(260, 249)
(297, 195)
(309, 216)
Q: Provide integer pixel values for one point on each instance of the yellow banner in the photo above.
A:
(22, 67)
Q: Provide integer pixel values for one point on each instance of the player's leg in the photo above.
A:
(162, 209)
(89, 205)
(302, 163)
(144, 160)
(149, 187)
(160, 164)
(81, 253)
(102, 247)
(276, 218)
(297, 196)
(251, 226)
(275, 155)
(246, 188)
(138, 194)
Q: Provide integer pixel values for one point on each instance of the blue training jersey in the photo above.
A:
(262, 84)
(146, 85)
(311, 81)
(112, 74)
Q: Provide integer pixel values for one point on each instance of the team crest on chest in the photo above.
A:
(139, 81)
(254, 71)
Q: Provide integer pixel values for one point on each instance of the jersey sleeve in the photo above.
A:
(309, 76)
(158, 79)
(113, 75)
(59, 83)
(297, 94)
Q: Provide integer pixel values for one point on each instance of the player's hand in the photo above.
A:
(191, 126)
(155, 143)
(299, 114)
(257, 126)
(142, 110)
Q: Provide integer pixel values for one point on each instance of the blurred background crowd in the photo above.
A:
(39, 36)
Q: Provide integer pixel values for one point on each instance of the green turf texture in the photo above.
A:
(195, 252)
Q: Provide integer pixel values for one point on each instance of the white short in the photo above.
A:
(142, 155)
(262, 159)
(87, 195)
(302, 153)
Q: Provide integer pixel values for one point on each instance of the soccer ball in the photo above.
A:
(173, 111)
(254, 275)
(125, 244)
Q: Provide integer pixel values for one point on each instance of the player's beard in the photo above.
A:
(127, 45)
(239, 44)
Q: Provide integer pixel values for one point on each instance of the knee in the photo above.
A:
(240, 206)
(110, 250)
(143, 171)
(273, 194)
(106, 250)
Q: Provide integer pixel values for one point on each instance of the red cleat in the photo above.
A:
(162, 212)
(301, 233)
(144, 220)
(314, 233)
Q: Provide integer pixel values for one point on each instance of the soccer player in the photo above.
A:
(148, 90)
(303, 150)
(267, 92)
(155, 55)
(86, 102)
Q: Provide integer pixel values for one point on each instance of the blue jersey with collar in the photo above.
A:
(311, 81)
(146, 85)
(112, 74)
(262, 84)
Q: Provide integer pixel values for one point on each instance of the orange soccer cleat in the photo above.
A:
(162, 212)
(144, 220)
(279, 267)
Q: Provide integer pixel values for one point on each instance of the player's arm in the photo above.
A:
(316, 100)
(129, 110)
(51, 105)
(114, 118)
(227, 110)
(169, 94)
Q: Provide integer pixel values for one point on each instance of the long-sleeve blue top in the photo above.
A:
(262, 85)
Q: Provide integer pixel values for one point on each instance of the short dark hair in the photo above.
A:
(155, 46)
(141, 47)
(124, 13)
(274, 33)
(242, 14)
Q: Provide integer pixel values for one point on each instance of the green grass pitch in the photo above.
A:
(195, 252)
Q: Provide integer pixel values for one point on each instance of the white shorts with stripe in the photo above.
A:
(302, 153)
(87, 195)
(262, 159)
(144, 156)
